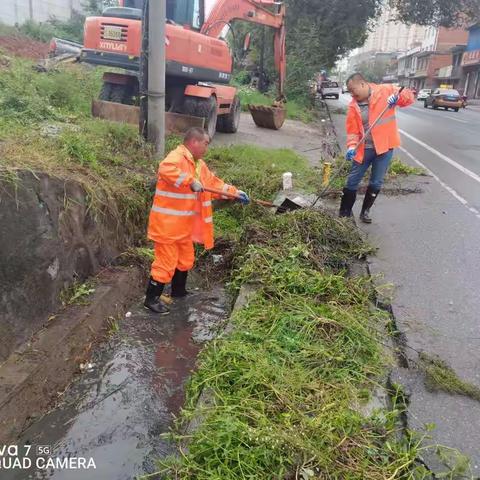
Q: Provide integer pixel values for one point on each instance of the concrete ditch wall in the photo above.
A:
(48, 238)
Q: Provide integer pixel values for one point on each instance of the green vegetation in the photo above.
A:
(71, 29)
(440, 376)
(397, 167)
(27, 97)
(113, 326)
(77, 293)
(46, 126)
(257, 171)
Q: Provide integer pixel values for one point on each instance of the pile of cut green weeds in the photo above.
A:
(304, 351)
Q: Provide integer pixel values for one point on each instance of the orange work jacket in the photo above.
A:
(178, 213)
(385, 133)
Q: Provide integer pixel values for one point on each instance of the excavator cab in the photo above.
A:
(189, 13)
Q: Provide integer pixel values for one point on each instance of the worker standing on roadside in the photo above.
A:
(368, 102)
(182, 214)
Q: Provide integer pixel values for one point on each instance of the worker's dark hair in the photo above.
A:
(355, 77)
(195, 133)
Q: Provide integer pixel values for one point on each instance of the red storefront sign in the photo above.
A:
(471, 58)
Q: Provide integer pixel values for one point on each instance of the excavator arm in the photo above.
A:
(254, 11)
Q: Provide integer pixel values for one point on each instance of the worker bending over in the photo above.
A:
(368, 102)
(182, 214)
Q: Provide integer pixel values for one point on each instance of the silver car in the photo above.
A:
(424, 93)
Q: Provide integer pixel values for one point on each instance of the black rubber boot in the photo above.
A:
(152, 297)
(347, 202)
(370, 196)
(179, 282)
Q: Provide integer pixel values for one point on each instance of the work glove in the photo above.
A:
(243, 198)
(392, 100)
(196, 186)
(350, 155)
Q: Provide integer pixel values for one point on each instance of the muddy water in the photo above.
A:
(115, 413)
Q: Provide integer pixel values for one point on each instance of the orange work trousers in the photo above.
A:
(169, 256)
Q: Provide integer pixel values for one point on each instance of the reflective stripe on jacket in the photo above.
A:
(177, 212)
(385, 133)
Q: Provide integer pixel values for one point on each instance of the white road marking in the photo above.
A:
(453, 163)
(443, 184)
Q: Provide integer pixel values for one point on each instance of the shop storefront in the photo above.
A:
(471, 63)
(471, 66)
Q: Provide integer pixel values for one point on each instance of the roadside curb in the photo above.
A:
(41, 369)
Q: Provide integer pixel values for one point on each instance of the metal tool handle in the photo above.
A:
(236, 197)
(369, 129)
(221, 192)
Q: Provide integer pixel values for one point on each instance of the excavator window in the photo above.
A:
(186, 12)
(181, 12)
(134, 4)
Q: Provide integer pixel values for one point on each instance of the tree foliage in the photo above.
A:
(446, 13)
(374, 72)
(95, 7)
(319, 33)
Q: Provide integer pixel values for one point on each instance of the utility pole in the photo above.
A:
(156, 74)
(261, 81)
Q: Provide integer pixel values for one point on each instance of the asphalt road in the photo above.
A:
(429, 249)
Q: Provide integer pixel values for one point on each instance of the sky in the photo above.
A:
(208, 6)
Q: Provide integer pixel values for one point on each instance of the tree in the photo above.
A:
(95, 7)
(445, 13)
(319, 33)
(374, 71)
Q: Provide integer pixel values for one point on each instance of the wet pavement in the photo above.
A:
(114, 413)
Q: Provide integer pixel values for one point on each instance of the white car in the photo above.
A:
(329, 89)
(424, 93)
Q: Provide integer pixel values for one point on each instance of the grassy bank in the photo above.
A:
(296, 110)
(46, 126)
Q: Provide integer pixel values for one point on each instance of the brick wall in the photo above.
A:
(450, 37)
(435, 62)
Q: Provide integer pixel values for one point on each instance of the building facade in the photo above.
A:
(471, 62)
(390, 36)
(16, 12)
(387, 39)
(436, 62)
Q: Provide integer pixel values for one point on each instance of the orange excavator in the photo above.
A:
(198, 61)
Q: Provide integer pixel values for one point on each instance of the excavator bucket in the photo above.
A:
(268, 117)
